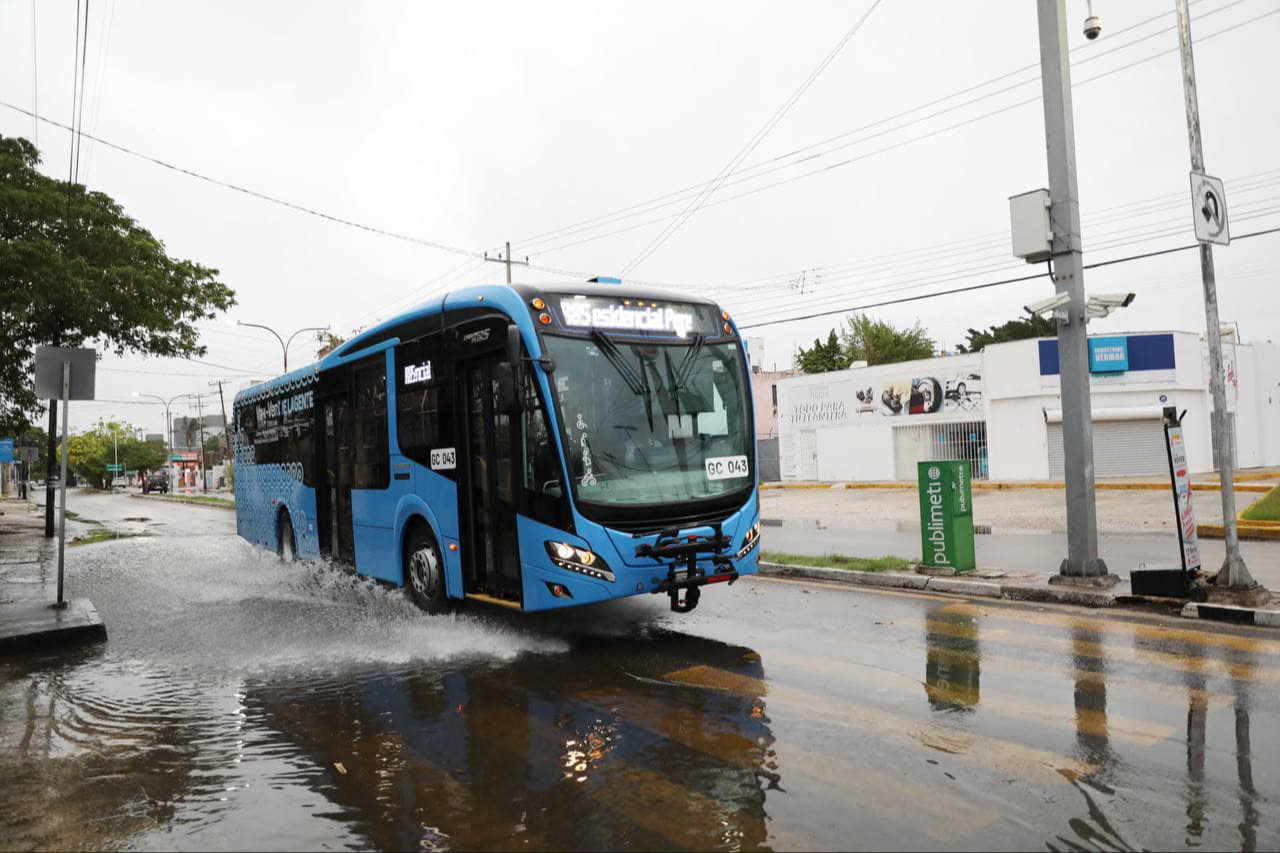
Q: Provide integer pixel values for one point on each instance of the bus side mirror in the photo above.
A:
(508, 396)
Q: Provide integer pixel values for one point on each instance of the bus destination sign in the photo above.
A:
(584, 312)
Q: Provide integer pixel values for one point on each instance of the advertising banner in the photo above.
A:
(1184, 510)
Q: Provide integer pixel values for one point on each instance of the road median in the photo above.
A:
(194, 500)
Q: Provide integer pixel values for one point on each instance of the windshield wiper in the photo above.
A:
(690, 358)
(637, 382)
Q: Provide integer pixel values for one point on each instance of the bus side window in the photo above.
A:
(373, 467)
(543, 481)
(424, 400)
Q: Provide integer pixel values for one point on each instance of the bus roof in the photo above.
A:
(508, 297)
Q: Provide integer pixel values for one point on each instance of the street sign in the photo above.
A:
(49, 361)
(946, 515)
(6, 450)
(1209, 209)
(114, 466)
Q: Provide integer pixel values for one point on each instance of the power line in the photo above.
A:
(250, 192)
(680, 195)
(751, 145)
(989, 284)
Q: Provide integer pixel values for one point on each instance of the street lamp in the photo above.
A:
(168, 423)
(284, 345)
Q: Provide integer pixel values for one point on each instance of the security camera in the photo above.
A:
(1103, 304)
(1092, 24)
(1048, 306)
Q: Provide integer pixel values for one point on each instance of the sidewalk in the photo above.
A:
(29, 583)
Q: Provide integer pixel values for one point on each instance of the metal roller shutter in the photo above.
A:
(1120, 448)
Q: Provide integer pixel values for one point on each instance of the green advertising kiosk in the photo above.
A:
(946, 516)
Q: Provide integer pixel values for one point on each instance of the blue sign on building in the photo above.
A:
(6, 450)
(1141, 352)
(1108, 355)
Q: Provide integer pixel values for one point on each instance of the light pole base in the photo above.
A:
(1090, 573)
(1234, 574)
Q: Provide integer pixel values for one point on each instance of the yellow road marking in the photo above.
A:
(1006, 756)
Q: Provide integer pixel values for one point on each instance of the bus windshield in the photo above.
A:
(651, 423)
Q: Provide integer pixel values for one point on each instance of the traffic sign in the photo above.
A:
(114, 466)
(6, 450)
(1209, 209)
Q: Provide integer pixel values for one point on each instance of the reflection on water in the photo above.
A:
(953, 660)
(590, 750)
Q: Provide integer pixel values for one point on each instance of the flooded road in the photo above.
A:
(243, 704)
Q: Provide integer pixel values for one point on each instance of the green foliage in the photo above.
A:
(838, 561)
(865, 339)
(81, 270)
(1020, 329)
(1265, 508)
(89, 453)
(822, 357)
(878, 342)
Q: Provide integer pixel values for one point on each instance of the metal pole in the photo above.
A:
(1234, 573)
(1082, 559)
(62, 486)
(51, 450)
(508, 262)
(204, 474)
(226, 430)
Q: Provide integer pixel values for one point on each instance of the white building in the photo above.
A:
(1001, 409)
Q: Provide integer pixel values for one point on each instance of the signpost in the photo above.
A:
(946, 516)
(64, 373)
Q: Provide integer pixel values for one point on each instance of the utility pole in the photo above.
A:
(1082, 563)
(204, 474)
(1234, 573)
(226, 427)
(507, 260)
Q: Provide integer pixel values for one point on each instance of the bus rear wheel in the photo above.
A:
(424, 567)
(288, 546)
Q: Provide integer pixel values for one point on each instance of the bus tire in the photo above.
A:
(287, 547)
(424, 570)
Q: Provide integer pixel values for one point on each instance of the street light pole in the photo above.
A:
(1082, 561)
(168, 422)
(1234, 573)
(284, 345)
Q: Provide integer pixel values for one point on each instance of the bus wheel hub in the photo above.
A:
(424, 572)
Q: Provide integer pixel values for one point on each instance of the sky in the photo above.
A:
(465, 125)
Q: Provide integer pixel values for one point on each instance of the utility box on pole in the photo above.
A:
(946, 516)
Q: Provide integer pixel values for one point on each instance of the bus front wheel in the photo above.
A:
(425, 569)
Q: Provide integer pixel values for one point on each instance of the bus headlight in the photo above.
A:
(751, 540)
(580, 560)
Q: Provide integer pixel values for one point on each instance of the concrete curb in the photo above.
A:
(33, 625)
(178, 499)
(1013, 591)
(988, 486)
(1259, 532)
(1232, 613)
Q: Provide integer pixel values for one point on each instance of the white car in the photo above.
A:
(120, 482)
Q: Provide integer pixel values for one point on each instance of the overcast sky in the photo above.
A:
(468, 124)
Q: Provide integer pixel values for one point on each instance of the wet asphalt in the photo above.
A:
(243, 704)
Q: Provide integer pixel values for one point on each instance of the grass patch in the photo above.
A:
(839, 561)
(1265, 508)
(196, 499)
(102, 534)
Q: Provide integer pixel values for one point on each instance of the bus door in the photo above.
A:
(337, 538)
(491, 554)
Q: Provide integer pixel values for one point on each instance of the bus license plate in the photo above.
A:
(727, 467)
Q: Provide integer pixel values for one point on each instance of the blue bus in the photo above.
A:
(532, 447)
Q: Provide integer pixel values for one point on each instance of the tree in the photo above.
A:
(328, 342)
(75, 268)
(1019, 329)
(89, 453)
(879, 342)
(822, 358)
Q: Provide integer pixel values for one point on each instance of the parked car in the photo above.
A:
(156, 481)
(119, 482)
